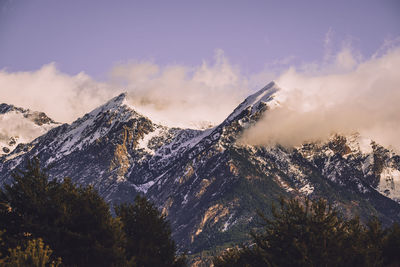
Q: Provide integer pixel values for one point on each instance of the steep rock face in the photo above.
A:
(208, 184)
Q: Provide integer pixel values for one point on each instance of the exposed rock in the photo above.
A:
(207, 184)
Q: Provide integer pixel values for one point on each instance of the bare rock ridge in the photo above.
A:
(207, 184)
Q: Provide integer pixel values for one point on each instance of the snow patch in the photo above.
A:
(367, 164)
(358, 143)
(228, 223)
(144, 187)
(283, 184)
(185, 199)
(362, 188)
(144, 142)
(365, 145)
(389, 184)
(307, 189)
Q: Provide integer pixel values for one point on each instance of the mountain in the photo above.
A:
(18, 125)
(207, 184)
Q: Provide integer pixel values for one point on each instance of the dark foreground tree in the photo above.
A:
(78, 226)
(34, 254)
(148, 235)
(74, 221)
(391, 246)
(313, 233)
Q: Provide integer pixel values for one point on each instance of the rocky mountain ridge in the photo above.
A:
(208, 184)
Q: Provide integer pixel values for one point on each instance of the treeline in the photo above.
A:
(314, 233)
(56, 223)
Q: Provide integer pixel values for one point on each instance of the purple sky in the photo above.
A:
(92, 36)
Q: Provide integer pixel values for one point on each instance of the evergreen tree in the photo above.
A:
(148, 235)
(36, 254)
(313, 233)
(391, 246)
(75, 221)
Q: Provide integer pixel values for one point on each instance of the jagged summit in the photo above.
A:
(94, 126)
(117, 101)
(113, 104)
(263, 95)
(252, 102)
(39, 118)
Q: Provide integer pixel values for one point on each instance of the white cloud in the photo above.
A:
(179, 95)
(176, 95)
(344, 96)
(328, 44)
(62, 96)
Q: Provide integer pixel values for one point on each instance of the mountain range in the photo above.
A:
(208, 184)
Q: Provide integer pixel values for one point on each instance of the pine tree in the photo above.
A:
(75, 221)
(148, 235)
(314, 233)
(36, 254)
(391, 246)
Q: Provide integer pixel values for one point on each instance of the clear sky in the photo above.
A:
(92, 36)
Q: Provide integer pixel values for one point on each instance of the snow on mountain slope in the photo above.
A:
(19, 125)
(207, 183)
(94, 125)
(252, 102)
(389, 183)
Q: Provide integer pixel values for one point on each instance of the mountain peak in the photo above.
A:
(264, 95)
(39, 118)
(116, 101)
(113, 104)
(121, 97)
(94, 125)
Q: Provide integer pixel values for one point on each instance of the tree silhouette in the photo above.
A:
(148, 235)
(74, 221)
(314, 233)
(77, 224)
(36, 254)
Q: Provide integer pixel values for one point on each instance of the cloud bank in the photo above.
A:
(175, 95)
(63, 97)
(15, 125)
(345, 95)
(183, 96)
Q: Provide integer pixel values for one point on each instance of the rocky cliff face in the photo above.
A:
(208, 184)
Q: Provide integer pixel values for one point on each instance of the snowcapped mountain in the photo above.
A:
(207, 184)
(18, 125)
